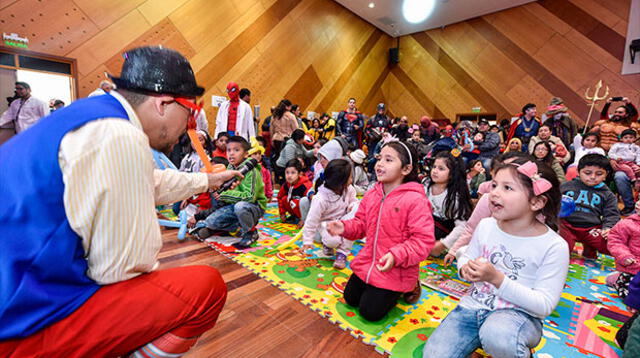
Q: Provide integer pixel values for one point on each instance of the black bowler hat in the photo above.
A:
(157, 70)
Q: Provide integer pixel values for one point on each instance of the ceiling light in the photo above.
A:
(415, 11)
(371, 5)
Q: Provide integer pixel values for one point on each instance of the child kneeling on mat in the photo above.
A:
(517, 264)
(396, 218)
(334, 200)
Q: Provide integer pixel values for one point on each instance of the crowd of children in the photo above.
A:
(495, 214)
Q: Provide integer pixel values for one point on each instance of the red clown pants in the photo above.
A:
(121, 317)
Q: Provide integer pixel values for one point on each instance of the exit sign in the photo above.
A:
(14, 40)
(476, 109)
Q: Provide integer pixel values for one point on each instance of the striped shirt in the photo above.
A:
(111, 190)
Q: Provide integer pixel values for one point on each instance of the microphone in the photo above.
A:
(244, 169)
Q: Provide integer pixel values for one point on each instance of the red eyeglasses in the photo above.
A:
(193, 108)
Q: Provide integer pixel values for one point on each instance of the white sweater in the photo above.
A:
(535, 270)
(628, 152)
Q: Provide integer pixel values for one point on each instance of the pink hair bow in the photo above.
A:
(530, 169)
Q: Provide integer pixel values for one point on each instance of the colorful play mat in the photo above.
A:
(583, 324)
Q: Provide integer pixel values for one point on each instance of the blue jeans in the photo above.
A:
(624, 189)
(229, 217)
(501, 333)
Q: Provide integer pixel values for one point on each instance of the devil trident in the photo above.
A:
(595, 98)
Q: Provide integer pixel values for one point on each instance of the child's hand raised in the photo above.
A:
(481, 270)
(335, 228)
(386, 262)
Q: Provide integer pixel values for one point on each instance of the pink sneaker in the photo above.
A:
(611, 279)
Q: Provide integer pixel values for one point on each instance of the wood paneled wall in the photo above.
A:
(504, 60)
(314, 52)
(318, 54)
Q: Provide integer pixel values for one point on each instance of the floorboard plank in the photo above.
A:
(258, 320)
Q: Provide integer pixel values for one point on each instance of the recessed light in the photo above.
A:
(415, 11)
(371, 5)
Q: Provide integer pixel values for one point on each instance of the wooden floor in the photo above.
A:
(259, 320)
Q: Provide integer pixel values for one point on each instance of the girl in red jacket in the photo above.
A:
(395, 216)
(295, 187)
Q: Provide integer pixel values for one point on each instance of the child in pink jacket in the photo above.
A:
(395, 216)
(624, 245)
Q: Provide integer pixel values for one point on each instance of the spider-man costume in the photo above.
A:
(234, 100)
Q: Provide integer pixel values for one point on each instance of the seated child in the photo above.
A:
(543, 153)
(295, 187)
(240, 207)
(221, 145)
(517, 266)
(583, 146)
(266, 160)
(333, 201)
(417, 142)
(191, 163)
(450, 199)
(625, 156)
(624, 245)
(264, 171)
(360, 179)
(481, 210)
(596, 207)
(317, 167)
(475, 177)
(395, 216)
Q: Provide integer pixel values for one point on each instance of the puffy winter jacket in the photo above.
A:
(624, 243)
(399, 222)
(289, 196)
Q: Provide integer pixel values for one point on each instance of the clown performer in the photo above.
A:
(610, 127)
(235, 116)
(80, 236)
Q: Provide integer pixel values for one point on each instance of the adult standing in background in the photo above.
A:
(24, 111)
(235, 116)
(245, 95)
(283, 123)
(350, 123)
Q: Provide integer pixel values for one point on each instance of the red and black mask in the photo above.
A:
(233, 91)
